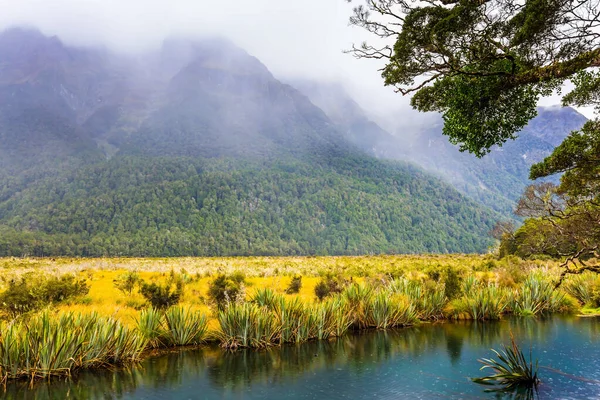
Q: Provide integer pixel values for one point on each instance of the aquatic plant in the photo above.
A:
(537, 295)
(246, 325)
(357, 299)
(385, 311)
(331, 318)
(183, 326)
(511, 370)
(149, 325)
(264, 297)
(290, 316)
(428, 302)
(48, 345)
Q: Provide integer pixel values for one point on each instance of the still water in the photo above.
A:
(431, 361)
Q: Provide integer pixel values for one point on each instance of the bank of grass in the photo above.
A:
(378, 293)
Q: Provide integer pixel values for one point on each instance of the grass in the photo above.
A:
(382, 292)
(511, 370)
(57, 345)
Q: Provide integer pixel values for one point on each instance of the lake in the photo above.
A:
(431, 361)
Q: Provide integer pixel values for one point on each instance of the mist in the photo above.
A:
(293, 39)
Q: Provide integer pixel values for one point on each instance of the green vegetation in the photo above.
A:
(227, 289)
(380, 293)
(155, 207)
(48, 345)
(511, 370)
(295, 285)
(32, 292)
(487, 68)
(162, 296)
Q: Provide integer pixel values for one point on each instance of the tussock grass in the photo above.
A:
(49, 345)
(511, 370)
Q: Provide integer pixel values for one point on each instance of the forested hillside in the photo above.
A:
(197, 150)
(496, 180)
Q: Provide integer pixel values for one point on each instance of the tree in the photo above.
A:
(570, 212)
(484, 63)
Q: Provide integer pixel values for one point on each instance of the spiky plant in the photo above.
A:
(511, 371)
(149, 324)
(183, 326)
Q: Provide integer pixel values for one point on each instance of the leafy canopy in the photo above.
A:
(484, 63)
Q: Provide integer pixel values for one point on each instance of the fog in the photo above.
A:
(292, 38)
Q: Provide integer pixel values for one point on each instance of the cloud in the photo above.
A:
(293, 38)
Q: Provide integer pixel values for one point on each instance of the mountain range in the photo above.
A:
(497, 180)
(197, 149)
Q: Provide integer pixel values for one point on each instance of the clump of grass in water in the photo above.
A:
(47, 345)
(177, 326)
(246, 325)
(512, 371)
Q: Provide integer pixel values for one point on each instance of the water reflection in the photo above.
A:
(429, 361)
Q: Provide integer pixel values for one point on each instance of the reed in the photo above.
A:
(357, 299)
(265, 297)
(485, 303)
(292, 319)
(149, 326)
(331, 318)
(581, 286)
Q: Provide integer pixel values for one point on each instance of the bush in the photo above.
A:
(329, 285)
(162, 296)
(32, 293)
(126, 282)
(225, 289)
(452, 284)
(295, 285)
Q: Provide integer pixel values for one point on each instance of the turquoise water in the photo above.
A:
(432, 361)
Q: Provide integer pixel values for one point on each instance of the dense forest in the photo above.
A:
(135, 206)
(197, 150)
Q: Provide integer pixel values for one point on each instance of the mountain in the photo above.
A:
(197, 149)
(496, 180)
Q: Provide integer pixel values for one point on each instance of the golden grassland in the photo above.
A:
(261, 272)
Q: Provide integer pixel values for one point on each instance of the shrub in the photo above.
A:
(162, 296)
(295, 285)
(31, 293)
(126, 282)
(330, 284)
(452, 284)
(225, 289)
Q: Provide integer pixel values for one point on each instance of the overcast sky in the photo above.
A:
(293, 38)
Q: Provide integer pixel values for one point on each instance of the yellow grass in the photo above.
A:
(261, 272)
